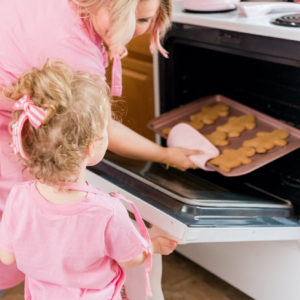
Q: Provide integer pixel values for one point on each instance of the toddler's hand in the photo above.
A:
(162, 245)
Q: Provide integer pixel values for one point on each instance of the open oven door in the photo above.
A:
(195, 210)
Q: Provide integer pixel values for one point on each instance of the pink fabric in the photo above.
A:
(116, 77)
(69, 250)
(145, 235)
(32, 31)
(31, 112)
(9, 276)
(10, 173)
(185, 136)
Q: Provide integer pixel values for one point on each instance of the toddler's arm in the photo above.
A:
(160, 245)
(6, 257)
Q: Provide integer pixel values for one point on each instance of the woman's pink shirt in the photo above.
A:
(68, 249)
(32, 31)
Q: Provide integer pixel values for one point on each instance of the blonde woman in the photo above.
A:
(73, 31)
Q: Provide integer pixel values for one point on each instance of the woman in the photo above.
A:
(73, 31)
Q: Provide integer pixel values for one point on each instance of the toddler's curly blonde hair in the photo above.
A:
(78, 110)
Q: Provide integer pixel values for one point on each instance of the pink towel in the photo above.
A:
(185, 136)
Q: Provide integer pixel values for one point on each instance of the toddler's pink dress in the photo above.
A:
(70, 251)
(32, 31)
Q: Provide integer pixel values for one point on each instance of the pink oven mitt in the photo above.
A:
(185, 136)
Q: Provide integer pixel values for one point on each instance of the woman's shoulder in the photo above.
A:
(35, 23)
(32, 11)
(39, 22)
(34, 30)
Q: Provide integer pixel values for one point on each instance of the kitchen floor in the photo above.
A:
(182, 280)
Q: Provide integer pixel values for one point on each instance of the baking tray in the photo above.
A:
(263, 123)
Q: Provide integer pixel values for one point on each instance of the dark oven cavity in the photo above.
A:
(260, 72)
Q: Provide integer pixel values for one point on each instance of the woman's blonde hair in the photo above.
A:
(160, 25)
(122, 13)
(124, 20)
(78, 110)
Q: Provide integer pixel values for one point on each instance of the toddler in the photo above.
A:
(70, 239)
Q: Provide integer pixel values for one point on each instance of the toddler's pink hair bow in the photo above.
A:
(33, 113)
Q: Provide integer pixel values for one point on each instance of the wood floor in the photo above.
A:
(182, 280)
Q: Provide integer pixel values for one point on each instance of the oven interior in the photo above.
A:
(201, 63)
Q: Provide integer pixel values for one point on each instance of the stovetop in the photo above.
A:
(233, 21)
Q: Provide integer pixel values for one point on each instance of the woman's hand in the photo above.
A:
(162, 245)
(125, 142)
(179, 158)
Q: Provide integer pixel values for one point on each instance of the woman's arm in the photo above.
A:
(126, 142)
(7, 258)
(160, 245)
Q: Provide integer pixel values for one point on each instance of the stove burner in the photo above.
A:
(288, 20)
(208, 11)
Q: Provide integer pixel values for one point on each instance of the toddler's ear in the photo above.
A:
(90, 150)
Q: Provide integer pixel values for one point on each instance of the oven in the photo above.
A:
(259, 67)
(195, 206)
(256, 71)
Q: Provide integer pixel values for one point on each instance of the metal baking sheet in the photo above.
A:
(263, 123)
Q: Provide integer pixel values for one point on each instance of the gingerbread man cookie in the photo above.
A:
(209, 114)
(236, 125)
(232, 158)
(265, 141)
(197, 124)
(218, 138)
